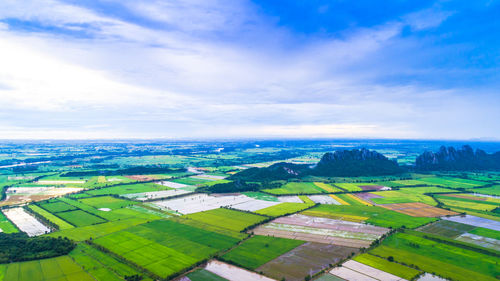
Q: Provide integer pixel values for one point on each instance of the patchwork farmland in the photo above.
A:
(162, 217)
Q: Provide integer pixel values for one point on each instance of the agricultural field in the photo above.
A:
(418, 210)
(227, 219)
(297, 188)
(397, 269)
(6, 226)
(153, 211)
(25, 222)
(353, 270)
(259, 250)
(283, 209)
(370, 214)
(165, 247)
(449, 260)
(60, 268)
(322, 230)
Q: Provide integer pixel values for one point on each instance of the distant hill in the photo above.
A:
(451, 159)
(354, 163)
(278, 171)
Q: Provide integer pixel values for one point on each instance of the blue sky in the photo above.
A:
(241, 68)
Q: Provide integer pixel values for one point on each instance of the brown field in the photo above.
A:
(325, 223)
(306, 259)
(418, 209)
(371, 187)
(318, 238)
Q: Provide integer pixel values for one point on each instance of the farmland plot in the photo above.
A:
(308, 258)
(353, 271)
(323, 199)
(53, 269)
(476, 221)
(6, 226)
(486, 242)
(226, 219)
(387, 266)
(290, 199)
(60, 182)
(259, 250)
(233, 273)
(25, 222)
(19, 195)
(172, 184)
(447, 228)
(202, 202)
(155, 194)
(418, 210)
(322, 230)
(283, 209)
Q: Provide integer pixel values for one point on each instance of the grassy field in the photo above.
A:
(408, 195)
(6, 225)
(375, 215)
(225, 218)
(348, 198)
(397, 269)
(306, 199)
(258, 250)
(61, 224)
(80, 218)
(164, 247)
(106, 202)
(128, 188)
(53, 269)
(55, 206)
(94, 231)
(296, 188)
(101, 265)
(449, 261)
(467, 203)
(283, 209)
(452, 182)
(490, 233)
(492, 190)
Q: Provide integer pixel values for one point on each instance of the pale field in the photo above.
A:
(476, 221)
(60, 182)
(350, 275)
(21, 195)
(291, 199)
(323, 199)
(486, 242)
(371, 272)
(233, 273)
(203, 202)
(172, 184)
(25, 222)
(143, 196)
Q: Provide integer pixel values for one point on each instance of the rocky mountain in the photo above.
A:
(464, 158)
(356, 162)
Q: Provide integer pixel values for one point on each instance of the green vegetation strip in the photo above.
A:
(283, 209)
(259, 250)
(402, 271)
(61, 224)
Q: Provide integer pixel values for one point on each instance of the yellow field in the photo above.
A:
(336, 198)
(326, 187)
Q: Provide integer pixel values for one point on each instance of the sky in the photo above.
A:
(181, 69)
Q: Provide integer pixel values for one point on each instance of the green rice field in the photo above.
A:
(204, 275)
(259, 250)
(80, 218)
(128, 188)
(397, 269)
(6, 226)
(55, 206)
(106, 202)
(60, 268)
(227, 219)
(444, 259)
(349, 186)
(296, 188)
(61, 224)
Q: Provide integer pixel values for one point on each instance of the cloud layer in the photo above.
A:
(219, 69)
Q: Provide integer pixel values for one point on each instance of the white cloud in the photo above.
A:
(128, 80)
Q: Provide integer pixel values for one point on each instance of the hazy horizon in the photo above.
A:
(212, 69)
